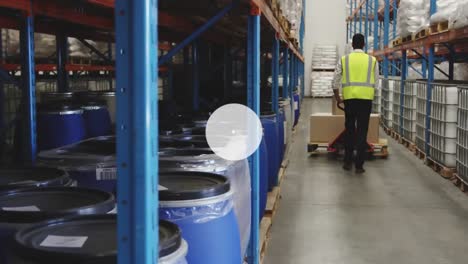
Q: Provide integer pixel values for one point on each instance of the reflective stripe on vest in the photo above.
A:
(358, 76)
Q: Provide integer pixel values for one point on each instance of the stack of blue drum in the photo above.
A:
(205, 201)
(67, 118)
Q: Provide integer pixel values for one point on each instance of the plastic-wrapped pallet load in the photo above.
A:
(455, 12)
(462, 129)
(387, 102)
(322, 84)
(421, 110)
(324, 57)
(413, 16)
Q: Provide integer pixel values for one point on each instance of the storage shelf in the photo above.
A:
(452, 36)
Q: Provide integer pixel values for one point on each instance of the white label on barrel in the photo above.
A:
(106, 174)
(162, 188)
(31, 208)
(64, 241)
(296, 105)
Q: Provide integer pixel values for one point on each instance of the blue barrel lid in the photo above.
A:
(186, 185)
(39, 204)
(15, 178)
(92, 240)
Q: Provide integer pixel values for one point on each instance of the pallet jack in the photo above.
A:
(337, 146)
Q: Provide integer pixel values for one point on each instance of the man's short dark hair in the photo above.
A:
(358, 41)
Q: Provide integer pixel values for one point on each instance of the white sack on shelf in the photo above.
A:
(413, 16)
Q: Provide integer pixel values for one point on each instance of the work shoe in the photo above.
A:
(348, 166)
(360, 170)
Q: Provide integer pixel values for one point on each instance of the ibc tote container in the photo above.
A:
(396, 111)
(444, 118)
(409, 110)
(462, 131)
(377, 102)
(421, 110)
(387, 102)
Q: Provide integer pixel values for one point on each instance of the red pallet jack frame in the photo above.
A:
(337, 146)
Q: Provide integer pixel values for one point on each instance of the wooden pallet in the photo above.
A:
(265, 231)
(408, 144)
(387, 130)
(273, 202)
(322, 97)
(422, 34)
(395, 135)
(80, 60)
(460, 183)
(380, 149)
(445, 172)
(397, 42)
(419, 153)
(439, 27)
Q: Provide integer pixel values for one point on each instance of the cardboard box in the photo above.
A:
(325, 127)
(335, 109)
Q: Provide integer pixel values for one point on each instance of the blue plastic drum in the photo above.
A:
(296, 108)
(59, 125)
(97, 119)
(201, 205)
(270, 130)
(91, 163)
(281, 135)
(25, 207)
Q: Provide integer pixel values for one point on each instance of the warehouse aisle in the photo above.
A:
(400, 211)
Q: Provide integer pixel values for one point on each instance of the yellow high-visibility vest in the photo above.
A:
(358, 76)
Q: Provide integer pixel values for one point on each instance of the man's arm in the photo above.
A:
(337, 81)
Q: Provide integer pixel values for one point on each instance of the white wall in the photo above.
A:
(325, 25)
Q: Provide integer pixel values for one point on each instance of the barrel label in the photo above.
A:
(162, 188)
(30, 208)
(64, 241)
(296, 105)
(106, 174)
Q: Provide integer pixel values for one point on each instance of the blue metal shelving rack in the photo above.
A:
(137, 64)
(395, 61)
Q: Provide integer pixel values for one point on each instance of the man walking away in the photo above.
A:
(357, 73)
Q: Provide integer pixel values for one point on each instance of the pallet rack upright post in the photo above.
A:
(29, 140)
(253, 101)
(137, 130)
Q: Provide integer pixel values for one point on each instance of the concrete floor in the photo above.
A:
(400, 211)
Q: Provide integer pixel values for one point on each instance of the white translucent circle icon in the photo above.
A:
(234, 132)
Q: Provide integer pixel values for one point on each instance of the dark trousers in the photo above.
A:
(357, 115)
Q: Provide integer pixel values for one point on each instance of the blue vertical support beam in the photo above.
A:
(195, 77)
(376, 24)
(137, 130)
(286, 73)
(61, 41)
(424, 63)
(430, 80)
(355, 17)
(366, 25)
(29, 147)
(275, 54)
(404, 71)
(386, 37)
(253, 101)
(360, 20)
